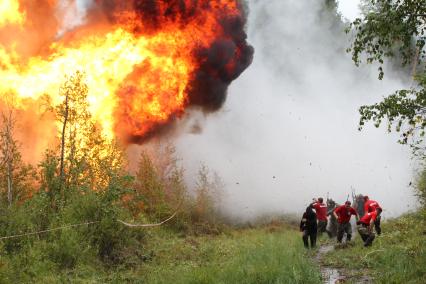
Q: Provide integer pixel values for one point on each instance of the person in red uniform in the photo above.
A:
(365, 226)
(321, 210)
(371, 206)
(343, 215)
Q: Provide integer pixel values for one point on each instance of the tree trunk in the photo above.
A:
(9, 182)
(8, 120)
(63, 143)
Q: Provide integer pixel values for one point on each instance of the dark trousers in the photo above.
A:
(366, 235)
(312, 235)
(343, 228)
(377, 225)
(332, 227)
(322, 225)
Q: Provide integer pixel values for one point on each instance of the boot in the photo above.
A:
(369, 240)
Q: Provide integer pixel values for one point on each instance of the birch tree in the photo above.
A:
(395, 29)
(16, 177)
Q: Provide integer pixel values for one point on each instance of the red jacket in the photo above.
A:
(344, 214)
(321, 210)
(366, 219)
(371, 206)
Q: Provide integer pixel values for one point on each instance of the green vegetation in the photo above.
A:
(397, 256)
(272, 254)
(62, 220)
(395, 29)
(421, 188)
(246, 256)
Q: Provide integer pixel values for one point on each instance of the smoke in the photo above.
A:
(165, 56)
(217, 64)
(288, 131)
(32, 141)
(72, 14)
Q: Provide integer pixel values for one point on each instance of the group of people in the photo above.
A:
(315, 219)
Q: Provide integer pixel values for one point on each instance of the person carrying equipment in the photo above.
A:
(321, 210)
(365, 226)
(358, 204)
(332, 224)
(343, 214)
(308, 225)
(371, 206)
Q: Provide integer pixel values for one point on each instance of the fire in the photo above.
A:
(9, 13)
(143, 65)
(107, 61)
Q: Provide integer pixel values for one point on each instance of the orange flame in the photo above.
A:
(9, 13)
(138, 69)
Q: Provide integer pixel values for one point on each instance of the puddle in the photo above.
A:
(331, 275)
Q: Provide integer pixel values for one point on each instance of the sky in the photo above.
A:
(349, 8)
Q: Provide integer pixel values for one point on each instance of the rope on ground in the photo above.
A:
(378, 250)
(155, 224)
(87, 223)
(48, 230)
(94, 222)
(148, 225)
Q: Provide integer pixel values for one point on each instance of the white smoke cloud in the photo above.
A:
(71, 14)
(288, 131)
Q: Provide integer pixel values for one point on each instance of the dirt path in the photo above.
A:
(333, 275)
(330, 275)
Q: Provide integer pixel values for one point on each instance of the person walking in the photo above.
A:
(321, 211)
(332, 222)
(365, 226)
(371, 206)
(308, 225)
(343, 215)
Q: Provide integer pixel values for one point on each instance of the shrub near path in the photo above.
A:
(397, 256)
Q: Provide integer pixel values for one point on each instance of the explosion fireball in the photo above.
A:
(145, 61)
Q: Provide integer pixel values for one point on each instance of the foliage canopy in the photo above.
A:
(395, 29)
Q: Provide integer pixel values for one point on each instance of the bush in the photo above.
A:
(110, 238)
(33, 215)
(80, 222)
(160, 191)
(66, 250)
(421, 187)
(106, 241)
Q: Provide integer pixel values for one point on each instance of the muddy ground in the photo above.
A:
(332, 275)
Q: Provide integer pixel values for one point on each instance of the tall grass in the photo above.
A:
(248, 256)
(397, 256)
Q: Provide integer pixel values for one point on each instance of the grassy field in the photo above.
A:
(248, 256)
(266, 254)
(397, 256)
(272, 254)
